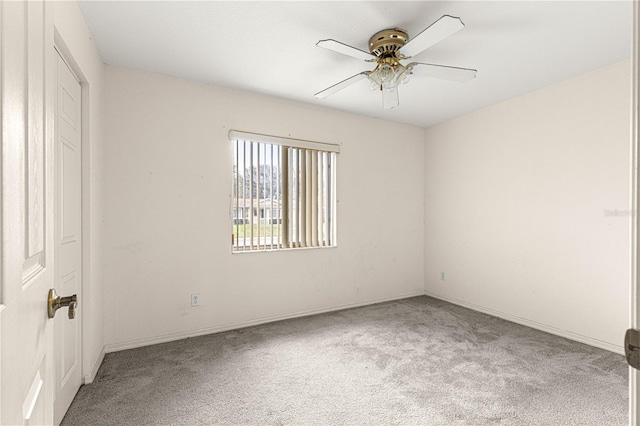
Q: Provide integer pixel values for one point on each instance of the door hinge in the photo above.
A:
(632, 347)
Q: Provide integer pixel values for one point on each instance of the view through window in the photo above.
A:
(283, 193)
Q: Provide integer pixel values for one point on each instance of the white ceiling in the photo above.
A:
(269, 47)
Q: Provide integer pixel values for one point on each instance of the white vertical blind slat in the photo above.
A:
(258, 194)
(314, 198)
(307, 198)
(251, 189)
(236, 201)
(271, 218)
(325, 188)
(332, 206)
(245, 194)
(302, 198)
(284, 172)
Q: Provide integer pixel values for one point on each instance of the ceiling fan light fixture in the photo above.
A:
(389, 87)
(387, 73)
(385, 50)
(387, 76)
(405, 76)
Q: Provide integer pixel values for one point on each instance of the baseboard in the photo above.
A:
(533, 324)
(131, 344)
(89, 378)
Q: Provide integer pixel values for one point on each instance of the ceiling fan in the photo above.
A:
(384, 50)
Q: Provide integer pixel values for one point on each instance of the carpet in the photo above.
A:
(417, 361)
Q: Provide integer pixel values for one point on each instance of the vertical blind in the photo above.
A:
(283, 193)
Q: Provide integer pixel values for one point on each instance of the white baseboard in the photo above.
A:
(619, 349)
(89, 378)
(131, 344)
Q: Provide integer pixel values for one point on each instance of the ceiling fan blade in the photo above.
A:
(390, 98)
(462, 75)
(339, 86)
(438, 31)
(345, 49)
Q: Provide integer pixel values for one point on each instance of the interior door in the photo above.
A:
(634, 375)
(26, 253)
(68, 239)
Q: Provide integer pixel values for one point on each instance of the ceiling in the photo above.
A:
(269, 47)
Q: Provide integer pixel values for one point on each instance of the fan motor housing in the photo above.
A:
(387, 42)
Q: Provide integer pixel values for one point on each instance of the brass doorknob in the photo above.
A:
(55, 302)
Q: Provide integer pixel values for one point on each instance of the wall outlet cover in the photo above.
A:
(195, 299)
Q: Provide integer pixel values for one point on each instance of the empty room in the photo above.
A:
(316, 212)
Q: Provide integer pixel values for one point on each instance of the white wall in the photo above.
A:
(516, 202)
(74, 41)
(168, 231)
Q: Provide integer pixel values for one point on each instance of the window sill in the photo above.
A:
(281, 250)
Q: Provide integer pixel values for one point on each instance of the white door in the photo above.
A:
(68, 239)
(26, 220)
(634, 375)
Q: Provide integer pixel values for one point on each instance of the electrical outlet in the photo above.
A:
(195, 299)
(442, 276)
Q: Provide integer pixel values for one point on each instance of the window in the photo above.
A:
(283, 193)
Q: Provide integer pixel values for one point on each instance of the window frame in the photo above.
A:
(311, 181)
